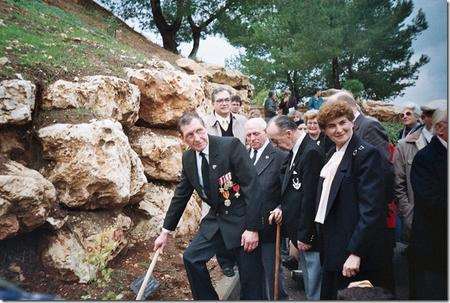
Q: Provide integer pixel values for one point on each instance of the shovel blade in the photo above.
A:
(151, 287)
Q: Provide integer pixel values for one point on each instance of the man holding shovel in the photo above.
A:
(220, 171)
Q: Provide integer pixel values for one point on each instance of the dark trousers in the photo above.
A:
(332, 281)
(201, 250)
(430, 285)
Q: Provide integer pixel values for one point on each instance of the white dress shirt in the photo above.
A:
(259, 151)
(427, 134)
(199, 162)
(205, 207)
(327, 173)
(296, 147)
(224, 122)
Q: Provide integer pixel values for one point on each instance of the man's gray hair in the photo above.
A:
(439, 115)
(218, 90)
(187, 117)
(259, 122)
(412, 107)
(283, 123)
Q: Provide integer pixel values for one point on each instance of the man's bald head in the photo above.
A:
(346, 96)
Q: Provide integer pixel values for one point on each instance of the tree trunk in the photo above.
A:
(335, 73)
(196, 31)
(169, 40)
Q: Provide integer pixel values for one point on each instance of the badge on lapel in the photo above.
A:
(226, 185)
(296, 184)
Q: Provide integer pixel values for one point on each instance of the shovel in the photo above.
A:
(144, 286)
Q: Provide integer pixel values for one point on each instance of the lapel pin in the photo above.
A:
(354, 152)
(361, 147)
(294, 172)
(267, 157)
(214, 166)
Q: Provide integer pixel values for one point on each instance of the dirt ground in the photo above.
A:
(20, 264)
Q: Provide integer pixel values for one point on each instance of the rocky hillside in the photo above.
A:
(89, 154)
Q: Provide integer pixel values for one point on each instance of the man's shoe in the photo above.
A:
(297, 276)
(228, 271)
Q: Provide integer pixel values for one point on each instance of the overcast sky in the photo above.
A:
(432, 82)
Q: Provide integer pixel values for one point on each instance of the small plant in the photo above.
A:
(392, 129)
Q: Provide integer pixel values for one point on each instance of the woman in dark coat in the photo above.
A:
(351, 211)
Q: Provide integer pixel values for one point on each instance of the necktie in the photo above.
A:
(255, 152)
(205, 174)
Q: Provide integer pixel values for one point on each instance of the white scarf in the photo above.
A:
(327, 173)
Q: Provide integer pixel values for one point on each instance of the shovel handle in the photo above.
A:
(147, 275)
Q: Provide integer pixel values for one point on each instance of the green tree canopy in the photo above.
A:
(310, 45)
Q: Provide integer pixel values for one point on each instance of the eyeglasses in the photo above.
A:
(407, 114)
(223, 100)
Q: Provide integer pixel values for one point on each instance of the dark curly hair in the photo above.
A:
(333, 110)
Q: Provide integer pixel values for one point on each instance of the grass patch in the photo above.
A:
(35, 36)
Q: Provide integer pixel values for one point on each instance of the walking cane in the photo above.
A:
(277, 264)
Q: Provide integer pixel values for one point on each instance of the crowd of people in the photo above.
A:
(331, 181)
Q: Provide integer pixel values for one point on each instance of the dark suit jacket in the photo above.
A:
(325, 143)
(356, 212)
(268, 169)
(298, 205)
(429, 228)
(371, 131)
(226, 154)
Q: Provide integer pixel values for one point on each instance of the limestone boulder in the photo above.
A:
(17, 99)
(160, 152)
(106, 96)
(166, 93)
(26, 198)
(211, 86)
(85, 245)
(221, 75)
(155, 203)
(383, 111)
(92, 165)
(192, 67)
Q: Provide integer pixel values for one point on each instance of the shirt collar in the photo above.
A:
(357, 114)
(219, 117)
(205, 151)
(427, 134)
(261, 149)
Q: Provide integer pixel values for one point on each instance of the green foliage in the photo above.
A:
(355, 86)
(311, 45)
(260, 97)
(43, 39)
(392, 129)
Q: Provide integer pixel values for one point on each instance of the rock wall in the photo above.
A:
(103, 146)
